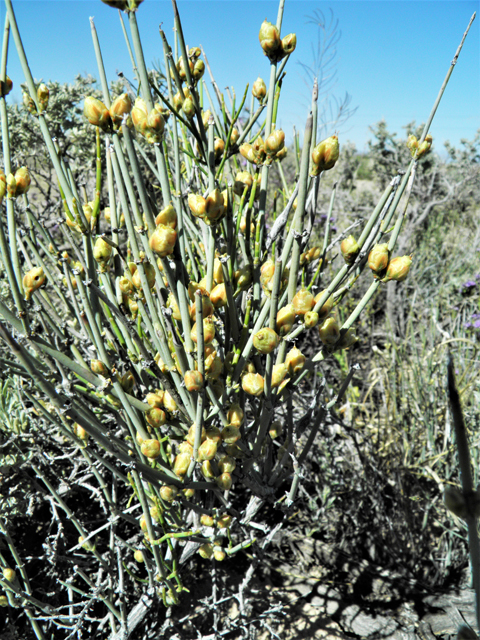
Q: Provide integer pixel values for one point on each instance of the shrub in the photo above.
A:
(154, 332)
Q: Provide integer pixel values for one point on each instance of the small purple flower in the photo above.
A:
(324, 216)
(468, 286)
(476, 324)
(467, 325)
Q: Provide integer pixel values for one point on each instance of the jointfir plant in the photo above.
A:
(156, 329)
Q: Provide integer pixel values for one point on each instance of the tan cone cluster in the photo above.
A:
(15, 184)
(325, 155)
(265, 151)
(274, 47)
(210, 209)
(417, 149)
(386, 269)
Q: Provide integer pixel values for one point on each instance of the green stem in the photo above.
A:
(201, 369)
(464, 463)
(297, 224)
(33, 94)
(21, 567)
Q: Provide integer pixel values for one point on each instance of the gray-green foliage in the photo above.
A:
(65, 119)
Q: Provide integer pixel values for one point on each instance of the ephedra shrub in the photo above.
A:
(151, 336)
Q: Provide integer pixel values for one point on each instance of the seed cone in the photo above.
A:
(3, 185)
(276, 429)
(9, 574)
(285, 319)
(224, 481)
(139, 115)
(208, 331)
(425, 147)
(102, 251)
(275, 143)
(11, 185)
(181, 464)
(218, 296)
(311, 319)
(207, 450)
(168, 492)
(219, 554)
(350, 249)
(206, 520)
(156, 417)
(162, 241)
(198, 69)
(138, 555)
(33, 280)
(29, 103)
(248, 153)
(294, 361)
(230, 434)
(412, 144)
(253, 384)
(22, 181)
(398, 269)
(168, 217)
(266, 340)
(289, 44)
(346, 340)
(193, 381)
(206, 551)
(278, 374)
(6, 87)
(150, 448)
(269, 39)
(197, 204)
(329, 332)
(378, 259)
(235, 415)
(303, 302)
(259, 89)
(97, 113)
(98, 367)
(325, 155)
(120, 106)
(43, 95)
(242, 179)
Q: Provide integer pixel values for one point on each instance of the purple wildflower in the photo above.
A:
(468, 286)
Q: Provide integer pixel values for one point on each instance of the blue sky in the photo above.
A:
(392, 55)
